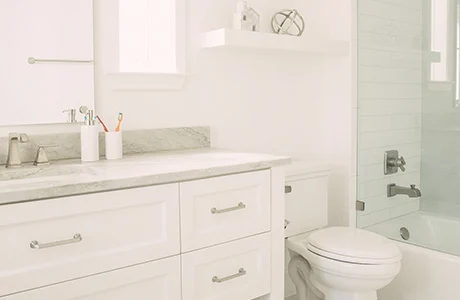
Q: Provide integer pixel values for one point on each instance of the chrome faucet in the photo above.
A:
(412, 192)
(14, 158)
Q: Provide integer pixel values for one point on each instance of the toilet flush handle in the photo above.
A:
(286, 223)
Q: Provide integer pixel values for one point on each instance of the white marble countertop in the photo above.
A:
(71, 177)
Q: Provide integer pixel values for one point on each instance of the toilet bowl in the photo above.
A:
(335, 263)
(341, 263)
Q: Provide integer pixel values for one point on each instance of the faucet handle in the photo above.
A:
(41, 158)
(48, 146)
(413, 186)
(23, 138)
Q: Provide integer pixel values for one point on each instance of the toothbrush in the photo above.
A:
(102, 123)
(120, 118)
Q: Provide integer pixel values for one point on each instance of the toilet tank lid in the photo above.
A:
(354, 244)
(305, 167)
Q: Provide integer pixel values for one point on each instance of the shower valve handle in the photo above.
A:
(401, 162)
(398, 162)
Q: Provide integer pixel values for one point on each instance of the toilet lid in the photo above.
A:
(354, 246)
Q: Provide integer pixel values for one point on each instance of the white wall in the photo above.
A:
(282, 103)
(390, 103)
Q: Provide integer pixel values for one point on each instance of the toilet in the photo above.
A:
(331, 263)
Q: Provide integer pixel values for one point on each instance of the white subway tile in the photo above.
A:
(413, 4)
(390, 11)
(390, 59)
(375, 204)
(405, 209)
(406, 121)
(370, 172)
(387, 75)
(389, 122)
(374, 123)
(373, 188)
(399, 200)
(372, 24)
(379, 107)
(389, 139)
(389, 91)
(406, 178)
(410, 45)
(373, 218)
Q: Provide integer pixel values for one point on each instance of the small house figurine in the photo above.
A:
(246, 17)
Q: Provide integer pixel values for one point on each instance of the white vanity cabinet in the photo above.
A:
(195, 240)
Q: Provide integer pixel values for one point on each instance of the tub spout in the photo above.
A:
(412, 192)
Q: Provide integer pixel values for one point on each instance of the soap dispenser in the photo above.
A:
(246, 18)
(89, 138)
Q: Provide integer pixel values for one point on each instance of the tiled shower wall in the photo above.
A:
(389, 103)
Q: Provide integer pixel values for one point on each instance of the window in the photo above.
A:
(151, 45)
(444, 56)
(457, 73)
(439, 39)
(147, 36)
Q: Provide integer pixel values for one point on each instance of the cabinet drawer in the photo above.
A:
(56, 240)
(237, 270)
(222, 209)
(159, 280)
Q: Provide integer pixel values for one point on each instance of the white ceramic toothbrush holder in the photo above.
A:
(113, 145)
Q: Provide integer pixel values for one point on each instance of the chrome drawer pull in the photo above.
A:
(240, 273)
(240, 205)
(36, 245)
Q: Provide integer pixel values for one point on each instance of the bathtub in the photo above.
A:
(430, 271)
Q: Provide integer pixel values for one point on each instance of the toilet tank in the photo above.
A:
(306, 196)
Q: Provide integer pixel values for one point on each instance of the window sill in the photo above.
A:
(146, 81)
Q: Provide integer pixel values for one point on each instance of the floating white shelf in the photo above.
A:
(272, 41)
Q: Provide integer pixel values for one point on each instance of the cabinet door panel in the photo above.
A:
(158, 280)
(117, 229)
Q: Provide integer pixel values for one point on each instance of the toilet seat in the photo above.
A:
(352, 245)
(351, 259)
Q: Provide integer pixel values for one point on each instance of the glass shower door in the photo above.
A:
(408, 101)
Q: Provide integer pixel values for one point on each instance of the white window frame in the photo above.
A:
(451, 81)
(123, 81)
(457, 56)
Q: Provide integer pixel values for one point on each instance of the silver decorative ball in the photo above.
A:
(288, 22)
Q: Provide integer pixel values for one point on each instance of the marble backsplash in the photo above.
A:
(136, 141)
